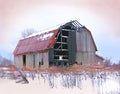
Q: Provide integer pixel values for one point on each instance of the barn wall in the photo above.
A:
(18, 61)
(45, 59)
(72, 46)
(34, 59)
(79, 57)
(85, 47)
(29, 60)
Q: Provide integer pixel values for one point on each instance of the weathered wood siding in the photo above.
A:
(29, 60)
(32, 60)
(18, 60)
(85, 47)
(46, 59)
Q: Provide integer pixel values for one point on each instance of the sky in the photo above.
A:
(101, 17)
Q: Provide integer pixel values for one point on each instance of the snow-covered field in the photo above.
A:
(39, 87)
(74, 80)
(57, 83)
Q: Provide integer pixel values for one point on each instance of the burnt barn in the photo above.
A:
(68, 44)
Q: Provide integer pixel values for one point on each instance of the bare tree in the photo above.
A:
(119, 62)
(5, 61)
(107, 62)
(27, 32)
(1, 59)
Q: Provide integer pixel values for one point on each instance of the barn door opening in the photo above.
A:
(33, 61)
(24, 60)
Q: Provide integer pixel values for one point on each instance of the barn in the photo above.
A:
(68, 44)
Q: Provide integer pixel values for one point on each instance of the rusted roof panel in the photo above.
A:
(44, 41)
(38, 43)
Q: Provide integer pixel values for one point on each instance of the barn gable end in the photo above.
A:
(64, 46)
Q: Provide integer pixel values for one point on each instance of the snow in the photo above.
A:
(43, 31)
(45, 36)
(57, 83)
(39, 87)
(4, 68)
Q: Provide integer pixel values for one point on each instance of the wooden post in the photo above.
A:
(23, 77)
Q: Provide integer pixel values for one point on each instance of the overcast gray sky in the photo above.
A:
(101, 17)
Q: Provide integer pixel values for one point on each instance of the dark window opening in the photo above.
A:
(65, 57)
(60, 52)
(57, 46)
(67, 27)
(39, 63)
(59, 39)
(64, 46)
(33, 61)
(56, 57)
(24, 60)
(64, 39)
(65, 33)
(42, 61)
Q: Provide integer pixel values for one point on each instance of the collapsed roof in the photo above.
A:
(41, 42)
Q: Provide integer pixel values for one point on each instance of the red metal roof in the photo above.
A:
(41, 42)
(38, 43)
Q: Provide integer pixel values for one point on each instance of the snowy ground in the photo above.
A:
(75, 80)
(39, 87)
(57, 83)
